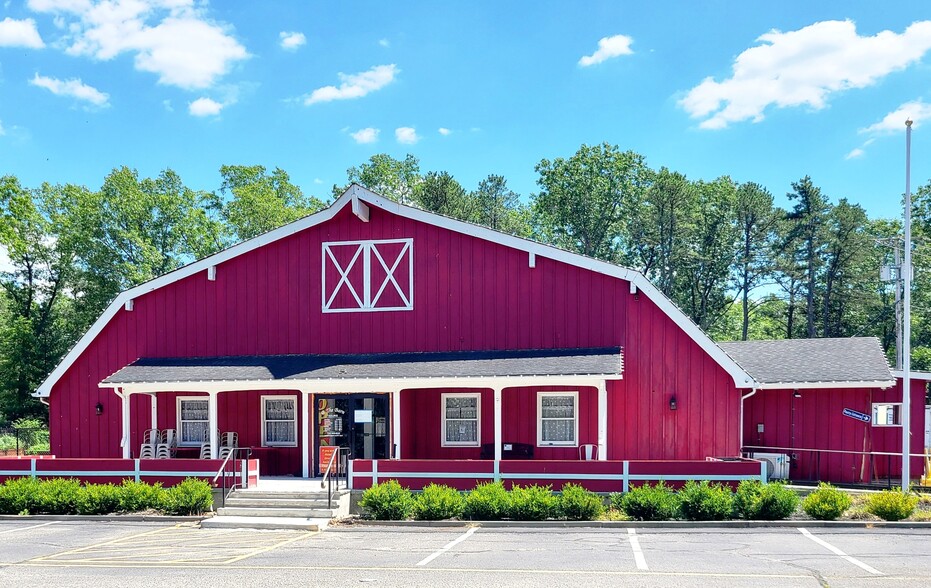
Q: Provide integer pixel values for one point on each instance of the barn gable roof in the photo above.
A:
(814, 363)
(360, 199)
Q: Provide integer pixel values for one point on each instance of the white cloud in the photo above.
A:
(856, 153)
(291, 41)
(608, 47)
(318, 181)
(444, 131)
(173, 39)
(355, 85)
(384, 42)
(74, 88)
(406, 135)
(366, 135)
(204, 107)
(20, 33)
(803, 68)
(168, 106)
(894, 122)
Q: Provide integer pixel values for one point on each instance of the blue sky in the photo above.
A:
(765, 92)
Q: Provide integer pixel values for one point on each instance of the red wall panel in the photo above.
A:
(469, 294)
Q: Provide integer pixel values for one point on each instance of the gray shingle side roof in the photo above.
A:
(467, 364)
(850, 359)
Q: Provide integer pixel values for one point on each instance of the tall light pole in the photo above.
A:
(906, 318)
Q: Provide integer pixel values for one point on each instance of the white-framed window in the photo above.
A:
(193, 420)
(279, 421)
(461, 419)
(558, 418)
(887, 414)
(368, 276)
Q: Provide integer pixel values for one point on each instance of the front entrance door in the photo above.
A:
(357, 422)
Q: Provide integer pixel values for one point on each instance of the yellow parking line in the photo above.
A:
(82, 549)
(275, 546)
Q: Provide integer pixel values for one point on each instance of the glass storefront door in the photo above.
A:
(357, 422)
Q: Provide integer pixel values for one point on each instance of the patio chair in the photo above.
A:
(149, 444)
(229, 441)
(167, 445)
(588, 452)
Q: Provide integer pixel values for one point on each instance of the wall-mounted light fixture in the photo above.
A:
(99, 409)
(797, 394)
(673, 405)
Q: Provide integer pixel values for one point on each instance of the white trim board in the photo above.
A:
(741, 378)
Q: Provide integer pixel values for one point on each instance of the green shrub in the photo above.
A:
(703, 501)
(138, 496)
(190, 497)
(57, 496)
(19, 496)
(95, 499)
(487, 502)
(438, 502)
(533, 503)
(388, 501)
(579, 504)
(891, 505)
(648, 503)
(826, 503)
(764, 502)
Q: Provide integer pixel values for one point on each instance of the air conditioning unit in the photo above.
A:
(777, 465)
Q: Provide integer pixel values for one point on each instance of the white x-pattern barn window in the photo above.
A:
(279, 421)
(557, 418)
(193, 420)
(368, 276)
(461, 424)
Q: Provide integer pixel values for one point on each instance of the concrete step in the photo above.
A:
(249, 502)
(281, 523)
(276, 512)
(299, 495)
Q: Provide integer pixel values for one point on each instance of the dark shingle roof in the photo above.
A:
(802, 361)
(463, 364)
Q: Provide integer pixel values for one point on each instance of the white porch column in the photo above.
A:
(154, 417)
(212, 422)
(396, 422)
(124, 424)
(498, 424)
(306, 449)
(602, 420)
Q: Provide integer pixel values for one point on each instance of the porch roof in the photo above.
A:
(606, 362)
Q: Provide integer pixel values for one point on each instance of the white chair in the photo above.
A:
(150, 441)
(167, 444)
(588, 451)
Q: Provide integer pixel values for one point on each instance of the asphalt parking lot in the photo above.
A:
(103, 554)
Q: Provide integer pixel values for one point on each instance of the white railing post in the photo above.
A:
(602, 420)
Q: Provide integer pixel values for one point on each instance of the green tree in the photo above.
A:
(496, 206)
(440, 192)
(806, 240)
(585, 199)
(259, 201)
(756, 219)
(392, 178)
(847, 280)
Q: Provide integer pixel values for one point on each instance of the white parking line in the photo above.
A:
(837, 551)
(27, 528)
(447, 547)
(638, 553)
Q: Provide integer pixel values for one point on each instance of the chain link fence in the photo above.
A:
(23, 441)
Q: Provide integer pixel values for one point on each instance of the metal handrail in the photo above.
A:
(223, 474)
(327, 479)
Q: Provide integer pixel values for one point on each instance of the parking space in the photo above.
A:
(103, 554)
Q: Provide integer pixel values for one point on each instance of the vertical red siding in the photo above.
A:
(469, 294)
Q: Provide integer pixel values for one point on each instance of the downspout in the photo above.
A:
(754, 390)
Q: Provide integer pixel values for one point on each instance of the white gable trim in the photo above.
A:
(357, 193)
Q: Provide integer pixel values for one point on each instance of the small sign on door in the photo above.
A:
(363, 416)
(326, 453)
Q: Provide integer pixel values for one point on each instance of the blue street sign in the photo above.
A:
(849, 412)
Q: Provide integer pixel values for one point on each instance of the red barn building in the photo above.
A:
(403, 335)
